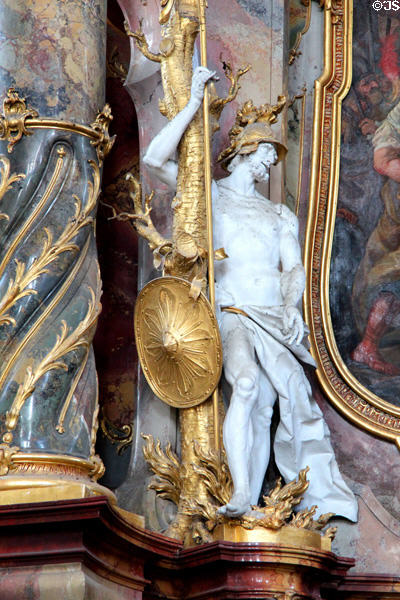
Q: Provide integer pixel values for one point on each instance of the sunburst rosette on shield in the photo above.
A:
(178, 342)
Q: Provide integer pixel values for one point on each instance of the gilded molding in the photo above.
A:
(25, 464)
(17, 120)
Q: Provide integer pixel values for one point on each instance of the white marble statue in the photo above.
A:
(258, 289)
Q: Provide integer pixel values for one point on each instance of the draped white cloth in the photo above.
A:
(302, 438)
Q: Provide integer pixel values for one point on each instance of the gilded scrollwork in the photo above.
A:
(121, 436)
(104, 142)
(13, 119)
(18, 120)
(6, 457)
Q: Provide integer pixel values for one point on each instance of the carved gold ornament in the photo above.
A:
(178, 342)
(52, 248)
(66, 342)
(18, 120)
(12, 122)
(7, 180)
(274, 522)
(123, 436)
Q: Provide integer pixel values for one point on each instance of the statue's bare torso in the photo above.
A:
(250, 229)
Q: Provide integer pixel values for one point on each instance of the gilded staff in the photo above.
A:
(208, 182)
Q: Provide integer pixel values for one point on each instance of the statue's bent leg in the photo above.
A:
(261, 420)
(242, 372)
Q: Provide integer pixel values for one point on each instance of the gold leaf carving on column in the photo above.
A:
(7, 180)
(12, 121)
(51, 250)
(66, 341)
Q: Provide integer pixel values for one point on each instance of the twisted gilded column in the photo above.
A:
(52, 146)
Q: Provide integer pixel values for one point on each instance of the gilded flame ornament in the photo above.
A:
(178, 342)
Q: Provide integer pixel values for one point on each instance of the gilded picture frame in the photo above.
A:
(353, 399)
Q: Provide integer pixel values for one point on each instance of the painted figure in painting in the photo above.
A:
(258, 289)
(377, 284)
(364, 277)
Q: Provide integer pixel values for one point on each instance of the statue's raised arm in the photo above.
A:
(158, 156)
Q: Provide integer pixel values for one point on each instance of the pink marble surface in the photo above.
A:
(54, 52)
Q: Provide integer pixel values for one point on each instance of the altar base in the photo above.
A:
(88, 549)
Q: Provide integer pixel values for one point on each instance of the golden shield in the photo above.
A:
(178, 342)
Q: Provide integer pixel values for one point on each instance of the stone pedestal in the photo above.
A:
(84, 549)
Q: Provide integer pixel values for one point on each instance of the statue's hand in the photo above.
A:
(200, 77)
(293, 325)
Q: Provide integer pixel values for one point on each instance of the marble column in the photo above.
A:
(53, 54)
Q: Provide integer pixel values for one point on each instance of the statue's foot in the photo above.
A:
(373, 359)
(238, 505)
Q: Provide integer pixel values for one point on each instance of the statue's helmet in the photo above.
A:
(253, 127)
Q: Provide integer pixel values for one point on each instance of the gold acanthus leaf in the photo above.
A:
(24, 276)
(7, 180)
(66, 342)
(166, 467)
